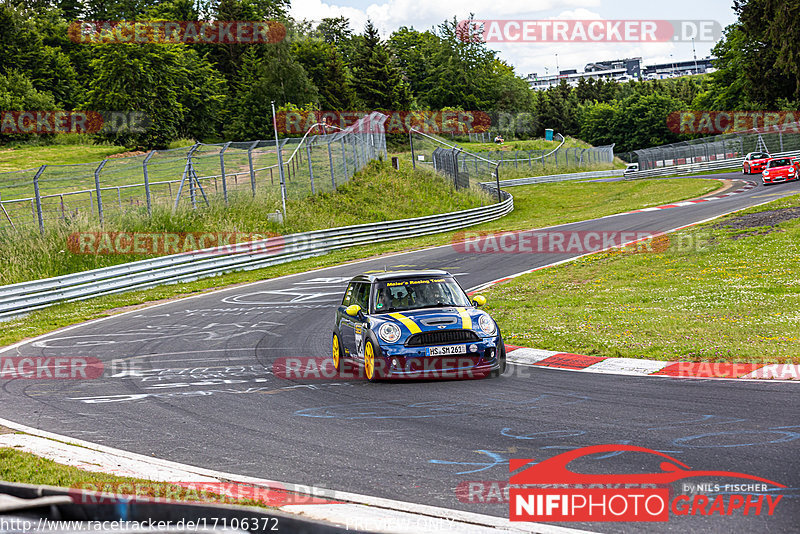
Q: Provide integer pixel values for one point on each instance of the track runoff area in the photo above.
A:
(203, 381)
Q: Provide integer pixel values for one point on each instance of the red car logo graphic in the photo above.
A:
(554, 470)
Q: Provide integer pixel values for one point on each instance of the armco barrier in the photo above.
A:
(701, 166)
(18, 299)
(559, 177)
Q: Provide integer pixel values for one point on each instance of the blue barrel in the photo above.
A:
(548, 134)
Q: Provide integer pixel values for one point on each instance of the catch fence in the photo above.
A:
(189, 176)
(715, 152)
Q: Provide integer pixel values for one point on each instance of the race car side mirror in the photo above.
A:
(479, 300)
(353, 310)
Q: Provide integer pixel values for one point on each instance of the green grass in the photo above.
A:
(378, 193)
(529, 144)
(736, 298)
(25, 157)
(535, 206)
(25, 468)
(717, 171)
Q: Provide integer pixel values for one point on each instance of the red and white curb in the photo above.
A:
(748, 185)
(349, 510)
(637, 367)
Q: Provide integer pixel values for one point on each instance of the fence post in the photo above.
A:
(6, 213)
(38, 197)
(222, 169)
(147, 181)
(497, 177)
(455, 169)
(252, 170)
(310, 168)
(330, 163)
(413, 156)
(186, 170)
(97, 189)
(344, 160)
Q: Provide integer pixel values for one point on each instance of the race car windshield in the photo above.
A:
(779, 163)
(760, 155)
(412, 294)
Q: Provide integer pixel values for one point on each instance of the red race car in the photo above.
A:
(755, 162)
(783, 169)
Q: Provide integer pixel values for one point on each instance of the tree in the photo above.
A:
(641, 121)
(597, 123)
(378, 81)
(17, 93)
(773, 35)
(557, 108)
(335, 30)
(22, 49)
(268, 73)
(414, 52)
(328, 72)
(166, 82)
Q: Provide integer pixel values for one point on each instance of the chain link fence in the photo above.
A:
(551, 160)
(485, 163)
(189, 176)
(466, 169)
(719, 148)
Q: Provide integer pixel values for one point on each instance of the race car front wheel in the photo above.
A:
(338, 357)
(371, 370)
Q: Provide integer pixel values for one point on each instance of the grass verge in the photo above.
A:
(378, 193)
(25, 157)
(26, 468)
(535, 206)
(727, 290)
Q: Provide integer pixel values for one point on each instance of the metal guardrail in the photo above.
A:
(18, 299)
(560, 177)
(700, 166)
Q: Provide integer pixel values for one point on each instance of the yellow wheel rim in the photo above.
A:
(336, 351)
(369, 360)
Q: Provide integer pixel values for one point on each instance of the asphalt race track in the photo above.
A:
(191, 381)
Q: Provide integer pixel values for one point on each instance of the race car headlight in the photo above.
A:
(389, 332)
(766, 173)
(487, 325)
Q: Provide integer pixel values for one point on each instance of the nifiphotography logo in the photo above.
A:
(548, 491)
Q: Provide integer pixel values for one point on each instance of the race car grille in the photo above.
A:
(442, 337)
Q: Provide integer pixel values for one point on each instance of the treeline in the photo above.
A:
(223, 91)
(757, 68)
(207, 91)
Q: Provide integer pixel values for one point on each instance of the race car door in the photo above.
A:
(351, 328)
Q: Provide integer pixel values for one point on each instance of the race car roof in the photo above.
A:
(394, 275)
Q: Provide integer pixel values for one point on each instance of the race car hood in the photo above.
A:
(426, 319)
(782, 168)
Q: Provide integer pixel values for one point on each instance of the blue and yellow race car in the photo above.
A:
(415, 324)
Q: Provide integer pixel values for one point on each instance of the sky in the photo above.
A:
(540, 58)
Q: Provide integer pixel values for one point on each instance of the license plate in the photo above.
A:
(447, 350)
